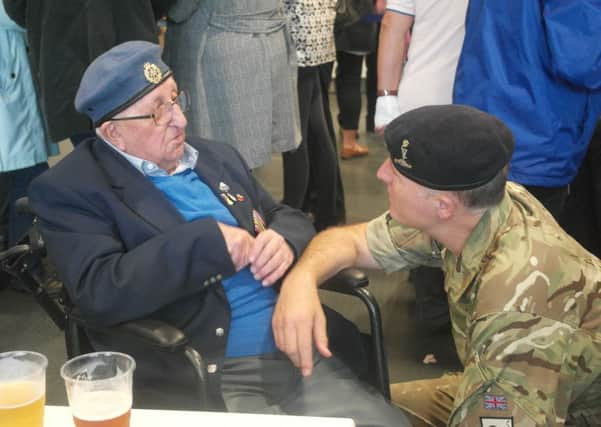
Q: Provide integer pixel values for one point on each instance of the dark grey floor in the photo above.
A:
(23, 325)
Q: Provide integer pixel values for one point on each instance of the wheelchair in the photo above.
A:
(159, 338)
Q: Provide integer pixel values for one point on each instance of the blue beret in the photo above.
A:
(118, 78)
(449, 147)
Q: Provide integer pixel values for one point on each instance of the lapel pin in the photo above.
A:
(227, 199)
(240, 197)
(223, 187)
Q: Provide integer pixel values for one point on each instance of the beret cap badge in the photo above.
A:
(152, 73)
(402, 161)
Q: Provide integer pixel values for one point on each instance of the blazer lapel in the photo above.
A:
(135, 190)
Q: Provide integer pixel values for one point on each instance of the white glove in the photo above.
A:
(387, 109)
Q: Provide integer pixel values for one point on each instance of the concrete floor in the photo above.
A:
(23, 325)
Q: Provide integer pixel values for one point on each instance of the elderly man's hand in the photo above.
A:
(298, 321)
(239, 244)
(270, 257)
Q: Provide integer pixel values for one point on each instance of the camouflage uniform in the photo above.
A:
(525, 303)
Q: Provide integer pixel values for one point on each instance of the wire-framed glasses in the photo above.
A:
(163, 113)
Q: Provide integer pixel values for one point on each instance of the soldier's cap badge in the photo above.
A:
(402, 161)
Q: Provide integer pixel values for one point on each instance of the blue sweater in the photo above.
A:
(251, 303)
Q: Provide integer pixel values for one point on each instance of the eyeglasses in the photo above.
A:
(163, 113)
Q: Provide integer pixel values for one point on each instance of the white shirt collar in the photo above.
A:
(148, 168)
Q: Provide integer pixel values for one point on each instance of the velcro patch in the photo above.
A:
(496, 421)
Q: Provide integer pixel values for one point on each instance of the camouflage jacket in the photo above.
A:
(525, 303)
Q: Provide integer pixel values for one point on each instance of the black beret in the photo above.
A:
(449, 147)
(118, 78)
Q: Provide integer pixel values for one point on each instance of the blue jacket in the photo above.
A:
(536, 64)
(23, 141)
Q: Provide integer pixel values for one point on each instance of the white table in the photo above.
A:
(60, 416)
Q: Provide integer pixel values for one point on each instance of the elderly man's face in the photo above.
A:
(161, 144)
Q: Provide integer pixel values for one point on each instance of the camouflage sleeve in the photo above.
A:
(395, 246)
(516, 361)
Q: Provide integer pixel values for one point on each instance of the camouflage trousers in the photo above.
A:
(430, 402)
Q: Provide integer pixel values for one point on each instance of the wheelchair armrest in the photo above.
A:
(347, 281)
(155, 333)
(149, 332)
(22, 205)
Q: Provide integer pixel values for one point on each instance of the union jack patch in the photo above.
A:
(492, 401)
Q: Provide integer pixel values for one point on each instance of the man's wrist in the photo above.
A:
(387, 92)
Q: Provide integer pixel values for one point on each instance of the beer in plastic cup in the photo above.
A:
(22, 388)
(99, 389)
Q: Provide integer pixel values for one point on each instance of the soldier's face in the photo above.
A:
(161, 144)
(410, 203)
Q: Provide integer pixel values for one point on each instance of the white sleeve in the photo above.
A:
(406, 7)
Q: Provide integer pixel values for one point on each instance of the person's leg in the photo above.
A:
(348, 95)
(348, 89)
(371, 88)
(431, 305)
(19, 223)
(428, 402)
(325, 77)
(323, 162)
(333, 390)
(256, 384)
(296, 163)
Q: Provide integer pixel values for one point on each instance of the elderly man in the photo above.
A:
(524, 297)
(158, 227)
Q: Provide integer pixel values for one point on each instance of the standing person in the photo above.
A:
(64, 37)
(356, 42)
(24, 145)
(524, 296)
(236, 60)
(536, 66)
(437, 31)
(311, 24)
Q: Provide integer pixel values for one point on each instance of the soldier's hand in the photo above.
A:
(299, 321)
(239, 244)
(270, 257)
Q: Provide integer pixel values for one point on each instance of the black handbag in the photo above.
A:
(352, 34)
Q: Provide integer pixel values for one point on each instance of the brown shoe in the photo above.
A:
(356, 150)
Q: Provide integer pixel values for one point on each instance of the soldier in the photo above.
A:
(524, 297)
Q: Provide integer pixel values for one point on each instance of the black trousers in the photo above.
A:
(348, 88)
(315, 156)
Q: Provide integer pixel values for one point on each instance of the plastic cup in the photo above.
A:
(22, 388)
(99, 388)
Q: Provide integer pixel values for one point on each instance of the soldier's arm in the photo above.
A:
(513, 371)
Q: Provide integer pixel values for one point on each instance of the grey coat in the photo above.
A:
(236, 61)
